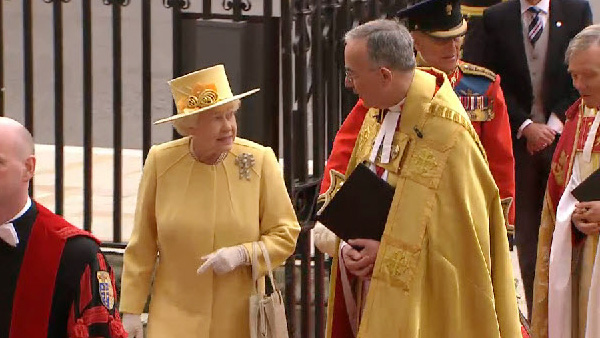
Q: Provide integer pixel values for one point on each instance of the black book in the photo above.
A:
(360, 207)
(589, 189)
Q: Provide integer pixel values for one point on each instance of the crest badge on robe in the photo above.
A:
(105, 289)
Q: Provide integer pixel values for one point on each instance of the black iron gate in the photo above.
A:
(305, 81)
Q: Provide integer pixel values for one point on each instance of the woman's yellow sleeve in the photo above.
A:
(142, 249)
(279, 226)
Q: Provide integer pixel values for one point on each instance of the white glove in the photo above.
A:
(324, 239)
(225, 260)
(133, 325)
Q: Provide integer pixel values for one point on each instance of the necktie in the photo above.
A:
(8, 234)
(536, 26)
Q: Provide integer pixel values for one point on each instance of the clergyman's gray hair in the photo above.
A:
(389, 44)
(585, 39)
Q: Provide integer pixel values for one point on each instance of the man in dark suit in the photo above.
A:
(525, 44)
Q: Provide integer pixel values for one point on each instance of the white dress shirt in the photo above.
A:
(526, 18)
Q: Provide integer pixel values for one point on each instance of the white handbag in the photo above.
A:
(267, 313)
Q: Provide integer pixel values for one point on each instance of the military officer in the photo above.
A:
(438, 29)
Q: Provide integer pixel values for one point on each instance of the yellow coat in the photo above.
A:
(185, 210)
(443, 268)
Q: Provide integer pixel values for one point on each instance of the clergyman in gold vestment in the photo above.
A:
(442, 268)
(203, 200)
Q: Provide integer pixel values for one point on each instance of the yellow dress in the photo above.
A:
(187, 209)
(443, 268)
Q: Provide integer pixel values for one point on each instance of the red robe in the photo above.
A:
(571, 140)
(562, 160)
(343, 144)
(36, 284)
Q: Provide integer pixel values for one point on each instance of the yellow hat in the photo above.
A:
(201, 91)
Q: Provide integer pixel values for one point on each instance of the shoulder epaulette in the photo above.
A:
(471, 69)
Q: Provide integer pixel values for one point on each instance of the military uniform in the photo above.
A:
(55, 283)
(478, 89)
(480, 94)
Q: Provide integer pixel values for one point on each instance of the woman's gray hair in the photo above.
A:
(585, 39)
(389, 44)
(184, 125)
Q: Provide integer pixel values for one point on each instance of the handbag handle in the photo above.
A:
(255, 265)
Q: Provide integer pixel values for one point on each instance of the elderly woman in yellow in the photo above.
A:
(203, 200)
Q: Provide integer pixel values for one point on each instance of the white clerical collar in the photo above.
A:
(8, 233)
(385, 136)
(23, 211)
(397, 107)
